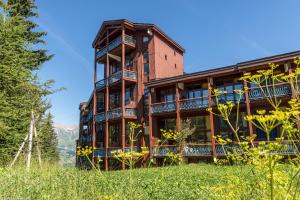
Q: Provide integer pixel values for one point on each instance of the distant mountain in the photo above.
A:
(67, 136)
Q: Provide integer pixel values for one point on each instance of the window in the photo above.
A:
(114, 135)
(145, 39)
(146, 56)
(115, 67)
(167, 95)
(100, 103)
(129, 95)
(146, 68)
(175, 66)
(166, 57)
(114, 100)
(129, 61)
(202, 132)
(174, 53)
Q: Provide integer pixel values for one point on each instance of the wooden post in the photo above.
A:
(94, 109)
(177, 109)
(106, 106)
(20, 150)
(37, 145)
(294, 93)
(123, 94)
(150, 123)
(211, 118)
(30, 142)
(248, 108)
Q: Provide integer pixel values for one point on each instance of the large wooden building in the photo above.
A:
(144, 81)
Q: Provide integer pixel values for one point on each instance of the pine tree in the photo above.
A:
(47, 139)
(26, 9)
(20, 89)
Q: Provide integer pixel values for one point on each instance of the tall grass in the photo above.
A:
(54, 182)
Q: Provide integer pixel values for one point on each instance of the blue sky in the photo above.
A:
(214, 34)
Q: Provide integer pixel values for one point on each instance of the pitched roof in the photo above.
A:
(136, 25)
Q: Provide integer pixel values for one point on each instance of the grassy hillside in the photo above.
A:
(180, 182)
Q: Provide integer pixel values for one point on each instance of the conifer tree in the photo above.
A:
(20, 89)
(47, 139)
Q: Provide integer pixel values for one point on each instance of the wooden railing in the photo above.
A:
(289, 148)
(100, 117)
(101, 84)
(128, 74)
(115, 43)
(114, 113)
(193, 103)
(278, 90)
(117, 113)
(163, 107)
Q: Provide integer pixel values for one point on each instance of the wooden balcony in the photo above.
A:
(116, 77)
(115, 43)
(163, 107)
(278, 90)
(117, 113)
(114, 113)
(101, 84)
(205, 150)
(100, 117)
(100, 152)
(193, 104)
(233, 97)
(189, 150)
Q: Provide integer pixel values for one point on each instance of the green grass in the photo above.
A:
(178, 182)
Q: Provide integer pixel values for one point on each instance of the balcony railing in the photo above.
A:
(110, 151)
(198, 150)
(131, 75)
(101, 152)
(189, 150)
(224, 98)
(130, 112)
(288, 148)
(161, 151)
(114, 113)
(100, 117)
(115, 43)
(278, 90)
(117, 113)
(115, 77)
(101, 84)
(163, 107)
(130, 40)
(192, 104)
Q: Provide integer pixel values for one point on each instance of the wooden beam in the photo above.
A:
(150, 123)
(94, 109)
(123, 95)
(211, 118)
(177, 108)
(106, 110)
(117, 58)
(117, 28)
(248, 108)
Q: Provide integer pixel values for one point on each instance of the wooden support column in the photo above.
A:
(150, 123)
(211, 118)
(123, 94)
(294, 90)
(248, 108)
(177, 108)
(106, 106)
(94, 108)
